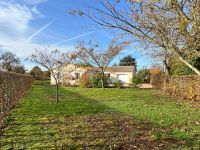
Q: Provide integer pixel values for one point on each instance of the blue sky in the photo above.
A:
(29, 24)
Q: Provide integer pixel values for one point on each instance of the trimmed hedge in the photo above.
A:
(12, 88)
(184, 87)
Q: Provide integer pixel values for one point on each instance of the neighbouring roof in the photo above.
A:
(115, 69)
(121, 68)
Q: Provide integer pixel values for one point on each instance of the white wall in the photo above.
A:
(113, 77)
(72, 74)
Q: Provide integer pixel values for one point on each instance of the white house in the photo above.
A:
(122, 73)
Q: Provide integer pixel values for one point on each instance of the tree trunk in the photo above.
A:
(190, 66)
(167, 68)
(57, 94)
(102, 79)
(102, 84)
(166, 64)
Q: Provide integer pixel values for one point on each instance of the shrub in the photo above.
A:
(155, 71)
(37, 73)
(181, 69)
(117, 84)
(178, 68)
(96, 81)
(183, 87)
(142, 76)
(136, 80)
(84, 80)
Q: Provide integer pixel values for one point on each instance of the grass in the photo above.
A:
(96, 119)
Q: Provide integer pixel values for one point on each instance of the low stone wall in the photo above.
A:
(184, 87)
(12, 88)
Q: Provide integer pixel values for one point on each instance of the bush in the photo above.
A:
(84, 80)
(37, 73)
(183, 87)
(181, 69)
(178, 68)
(117, 84)
(155, 71)
(142, 76)
(96, 81)
(136, 80)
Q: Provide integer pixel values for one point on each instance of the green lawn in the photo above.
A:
(96, 119)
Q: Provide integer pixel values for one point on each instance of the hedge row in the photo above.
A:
(12, 88)
(184, 87)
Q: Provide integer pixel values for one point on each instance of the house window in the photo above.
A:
(77, 75)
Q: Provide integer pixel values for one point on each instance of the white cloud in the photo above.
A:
(34, 2)
(14, 18)
(19, 47)
(37, 12)
(15, 26)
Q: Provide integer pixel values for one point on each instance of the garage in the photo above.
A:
(123, 78)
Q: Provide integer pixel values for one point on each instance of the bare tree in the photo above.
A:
(170, 25)
(98, 59)
(19, 69)
(56, 62)
(8, 61)
(160, 55)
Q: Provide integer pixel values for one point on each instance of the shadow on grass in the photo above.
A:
(78, 122)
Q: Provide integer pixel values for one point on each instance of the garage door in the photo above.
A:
(123, 78)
